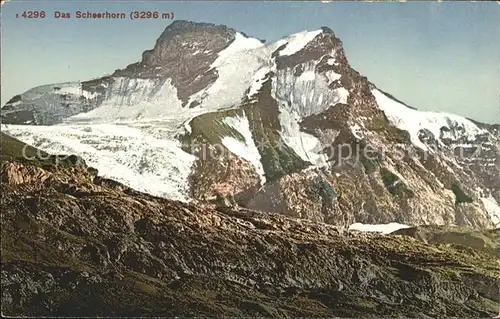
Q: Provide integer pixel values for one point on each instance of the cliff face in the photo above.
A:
(209, 110)
(184, 53)
(75, 244)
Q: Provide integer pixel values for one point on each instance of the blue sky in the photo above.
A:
(434, 56)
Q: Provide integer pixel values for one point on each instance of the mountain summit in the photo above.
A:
(183, 53)
(287, 127)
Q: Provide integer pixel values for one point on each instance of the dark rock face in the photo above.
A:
(190, 37)
(75, 246)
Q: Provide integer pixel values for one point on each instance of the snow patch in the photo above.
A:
(15, 103)
(342, 95)
(240, 43)
(331, 61)
(303, 144)
(298, 41)
(493, 209)
(379, 228)
(187, 127)
(258, 80)
(144, 158)
(332, 76)
(307, 76)
(247, 150)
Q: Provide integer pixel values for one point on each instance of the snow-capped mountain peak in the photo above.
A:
(292, 120)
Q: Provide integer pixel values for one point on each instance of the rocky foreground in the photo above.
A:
(75, 244)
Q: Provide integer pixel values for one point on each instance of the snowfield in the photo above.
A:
(379, 228)
(303, 144)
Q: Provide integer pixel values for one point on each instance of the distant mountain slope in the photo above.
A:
(286, 127)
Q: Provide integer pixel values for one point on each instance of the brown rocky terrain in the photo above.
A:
(74, 244)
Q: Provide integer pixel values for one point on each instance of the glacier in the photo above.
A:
(146, 160)
(236, 66)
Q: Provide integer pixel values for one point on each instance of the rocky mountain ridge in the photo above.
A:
(290, 127)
